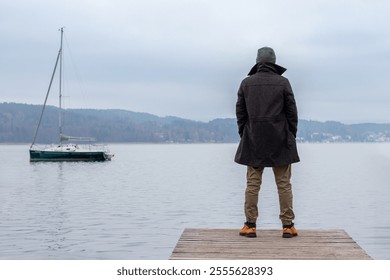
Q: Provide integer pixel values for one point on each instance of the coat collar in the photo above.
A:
(267, 67)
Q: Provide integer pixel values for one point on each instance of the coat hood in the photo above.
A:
(269, 66)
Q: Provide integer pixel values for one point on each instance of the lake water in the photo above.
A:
(137, 205)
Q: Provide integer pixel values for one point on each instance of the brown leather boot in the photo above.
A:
(289, 231)
(248, 230)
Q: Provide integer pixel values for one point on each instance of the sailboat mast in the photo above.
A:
(60, 87)
(47, 95)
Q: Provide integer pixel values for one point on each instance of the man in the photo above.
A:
(267, 122)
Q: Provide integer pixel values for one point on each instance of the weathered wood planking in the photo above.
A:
(269, 244)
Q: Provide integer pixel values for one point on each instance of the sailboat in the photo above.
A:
(66, 151)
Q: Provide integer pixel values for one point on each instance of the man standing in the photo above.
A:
(267, 122)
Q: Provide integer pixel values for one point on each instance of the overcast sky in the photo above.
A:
(186, 58)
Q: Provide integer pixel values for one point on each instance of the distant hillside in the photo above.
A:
(18, 123)
(331, 131)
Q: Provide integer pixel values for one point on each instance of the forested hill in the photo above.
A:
(18, 123)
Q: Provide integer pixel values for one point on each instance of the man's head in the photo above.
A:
(266, 54)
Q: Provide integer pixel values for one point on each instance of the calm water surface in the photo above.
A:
(137, 205)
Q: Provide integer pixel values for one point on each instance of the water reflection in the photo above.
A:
(75, 210)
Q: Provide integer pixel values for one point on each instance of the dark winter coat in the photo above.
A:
(267, 118)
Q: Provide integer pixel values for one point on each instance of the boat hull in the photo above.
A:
(39, 155)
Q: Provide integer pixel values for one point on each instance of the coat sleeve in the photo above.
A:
(241, 111)
(291, 109)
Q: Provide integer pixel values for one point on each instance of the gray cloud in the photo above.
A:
(187, 58)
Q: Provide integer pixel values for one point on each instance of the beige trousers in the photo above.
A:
(282, 178)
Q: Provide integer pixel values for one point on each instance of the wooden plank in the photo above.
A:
(227, 244)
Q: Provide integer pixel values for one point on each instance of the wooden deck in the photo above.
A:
(227, 244)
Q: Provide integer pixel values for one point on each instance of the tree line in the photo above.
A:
(18, 123)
